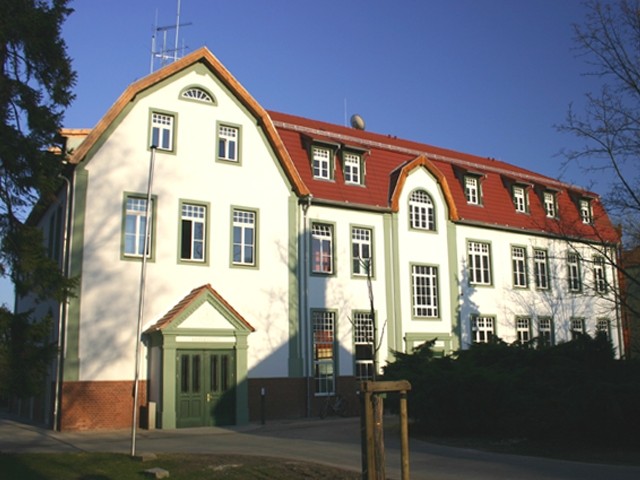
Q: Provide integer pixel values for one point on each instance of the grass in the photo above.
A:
(111, 466)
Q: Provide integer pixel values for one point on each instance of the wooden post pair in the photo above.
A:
(372, 431)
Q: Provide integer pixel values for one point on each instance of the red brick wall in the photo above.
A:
(99, 405)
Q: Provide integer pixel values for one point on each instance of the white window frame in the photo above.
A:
(520, 198)
(162, 131)
(603, 326)
(519, 266)
(244, 236)
(422, 215)
(424, 287)
(323, 323)
(483, 328)
(134, 226)
(322, 248)
(472, 189)
(479, 259)
(228, 143)
(574, 272)
(352, 164)
(576, 327)
(361, 251)
(550, 207)
(193, 232)
(545, 332)
(586, 214)
(321, 162)
(599, 275)
(364, 345)
(523, 329)
(541, 269)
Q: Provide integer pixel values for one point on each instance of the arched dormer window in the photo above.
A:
(422, 214)
(197, 94)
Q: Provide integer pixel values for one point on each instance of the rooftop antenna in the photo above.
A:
(166, 55)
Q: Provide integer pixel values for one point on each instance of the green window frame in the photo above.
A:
(134, 224)
(193, 233)
(244, 237)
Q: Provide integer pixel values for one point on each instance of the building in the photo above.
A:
(283, 251)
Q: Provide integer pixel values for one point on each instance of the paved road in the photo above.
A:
(332, 441)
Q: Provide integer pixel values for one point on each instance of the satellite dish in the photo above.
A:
(357, 122)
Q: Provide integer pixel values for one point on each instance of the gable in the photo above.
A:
(205, 317)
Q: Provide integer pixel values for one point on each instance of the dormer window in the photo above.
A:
(549, 200)
(472, 189)
(352, 164)
(520, 198)
(321, 162)
(585, 211)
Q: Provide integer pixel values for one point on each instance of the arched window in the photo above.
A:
(197, 94)
(421, 211)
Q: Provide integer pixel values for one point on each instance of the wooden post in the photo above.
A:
(372, 435)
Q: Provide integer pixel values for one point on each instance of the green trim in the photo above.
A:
(174, 132)
(491, 269)
(526, 266)
(207, 242)
(393, 294)
(371, 248)
(213, 103)
(154, 216)
(360, 155)
(238, 127)
(548, 271)
(336, 349)
(296, 366)
(455, 292)
(433, 207)
(256, 238)
(332, 149)
(413, 340)
(72, 339)
(376, 354)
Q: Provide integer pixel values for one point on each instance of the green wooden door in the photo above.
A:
(205, 388)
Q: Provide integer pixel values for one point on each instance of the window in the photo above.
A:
(482, 329)
(361, 257)
(541, 269)
(576, 327)
(321, 158)
(228, 141)
(192, 233)
(135, 224)
(424, 282)
(198, 94)
(421, 211)
(472, 189)
(523, 329)
(520, 198)
(519, 265)
(479, 263)
(602, 328)
(352, 168)
(573, 274)
(364, 340)
(545, 331)
(244, 237)
(162, 131)
(323, 351)
(599, 278)
(321, 248)
(549, 200)
(585, 211)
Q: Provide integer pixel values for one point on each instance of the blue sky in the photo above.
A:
(487, 77)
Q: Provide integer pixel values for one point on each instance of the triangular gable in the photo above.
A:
(204, 309)
(204, 56)
(423, 162)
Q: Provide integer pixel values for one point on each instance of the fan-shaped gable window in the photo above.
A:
(197, 94)
(421, 211)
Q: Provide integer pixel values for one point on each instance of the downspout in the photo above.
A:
(304, 304)
(63, 310)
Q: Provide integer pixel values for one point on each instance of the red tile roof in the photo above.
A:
(388, 160)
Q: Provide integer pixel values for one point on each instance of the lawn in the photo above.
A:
(110, 466)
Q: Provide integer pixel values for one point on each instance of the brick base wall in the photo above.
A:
(99, 405)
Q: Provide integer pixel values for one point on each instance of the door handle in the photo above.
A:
(209, 397)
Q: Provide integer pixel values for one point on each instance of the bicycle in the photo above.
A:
(335, 404)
